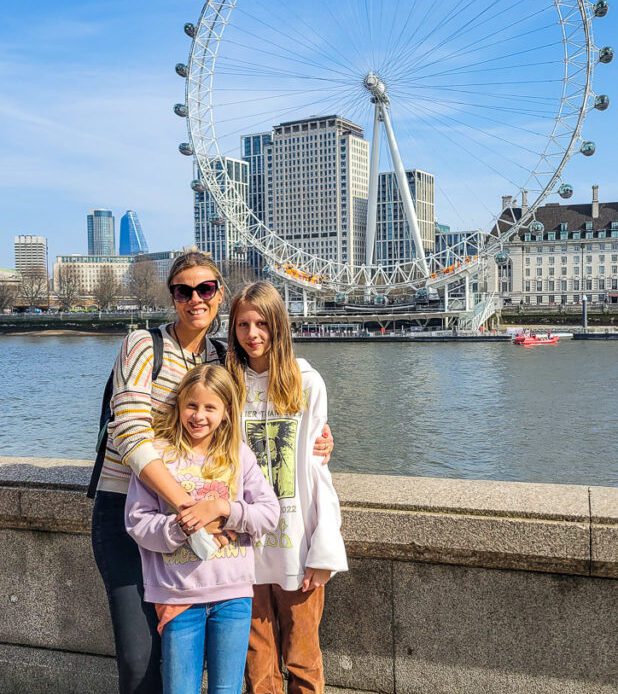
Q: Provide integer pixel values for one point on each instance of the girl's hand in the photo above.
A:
(224, 538)
(324, 445)
(201, 513)
(314, 578)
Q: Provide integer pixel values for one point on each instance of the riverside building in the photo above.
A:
(214, 233)
(31, 254)
(101, 233)
(132, 239)
(317, 175)
(87, 270)
(393, 238)
(567, 251)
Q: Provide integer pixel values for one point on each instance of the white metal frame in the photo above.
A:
(316, 274)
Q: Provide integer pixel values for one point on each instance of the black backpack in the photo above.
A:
(106, 412)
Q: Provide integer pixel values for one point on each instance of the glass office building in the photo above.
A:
(132, 240)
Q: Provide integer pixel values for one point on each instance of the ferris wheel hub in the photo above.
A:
(376, 87)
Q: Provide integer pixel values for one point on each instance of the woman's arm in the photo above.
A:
(147, 525)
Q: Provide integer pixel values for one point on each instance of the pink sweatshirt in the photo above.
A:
(173, 574)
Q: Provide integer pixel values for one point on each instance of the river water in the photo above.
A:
(475, 411)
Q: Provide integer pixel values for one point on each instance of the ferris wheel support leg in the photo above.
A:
(445, 297)
(467, 286)
(305, 304)
(286, 295)
(372, 202)
(404, 191)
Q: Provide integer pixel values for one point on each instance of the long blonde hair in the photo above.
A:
(285, 386)
(223, 460)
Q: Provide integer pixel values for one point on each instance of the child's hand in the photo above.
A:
(314, 578)
(324, 444)
(200, 514)
(224, 538)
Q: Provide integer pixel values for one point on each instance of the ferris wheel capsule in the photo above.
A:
(601, 102)
(588, 148)
(181, 70)
(600, 8)
(501, 258)
(185, 148)
(537, 227)
(606, 54)
(190, 29)
(198, 186)
(181, 110)
(565, 191)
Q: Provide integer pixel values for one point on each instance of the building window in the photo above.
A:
(576, 285)
(539, 299)
(539, 286)
(539, 272)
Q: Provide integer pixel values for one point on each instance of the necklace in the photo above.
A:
(182, 352)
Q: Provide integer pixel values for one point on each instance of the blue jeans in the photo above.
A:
(220, 630)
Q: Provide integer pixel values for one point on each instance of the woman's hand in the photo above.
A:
(324, 444)
(314, 578)
(202, 513)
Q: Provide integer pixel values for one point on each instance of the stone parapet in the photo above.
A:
(454, 586)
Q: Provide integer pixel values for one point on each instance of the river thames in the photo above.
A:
(475, 411)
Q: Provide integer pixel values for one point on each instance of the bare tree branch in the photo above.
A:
(69, 287)
(8, 294)
(107, 288)
(34, 288)
(145, 285)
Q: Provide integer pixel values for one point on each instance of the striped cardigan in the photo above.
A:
(136, 397)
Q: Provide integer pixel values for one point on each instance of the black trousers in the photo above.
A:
(138, 647)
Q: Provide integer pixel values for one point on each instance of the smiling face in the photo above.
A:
(201, 412)
(253, 335)
(196, 314)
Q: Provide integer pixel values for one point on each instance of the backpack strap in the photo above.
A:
(107, 415)
(221, 349)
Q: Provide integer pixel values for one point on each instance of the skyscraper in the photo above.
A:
(317, 178)
(101, 233)
(132, 240)
(254, 151)
(213, 232)
(31, 254)
(393, 238)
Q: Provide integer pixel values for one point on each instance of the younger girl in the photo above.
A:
(284, 403)
(204, 607)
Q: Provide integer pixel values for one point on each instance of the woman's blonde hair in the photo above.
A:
(223, 460)
(285, 386)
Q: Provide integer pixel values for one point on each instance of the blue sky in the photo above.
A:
(88, 87)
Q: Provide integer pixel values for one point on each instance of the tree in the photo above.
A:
(8, 294)
(107, 288)
(69, 287)
(34, 287)
(144, 284)
(236, 274)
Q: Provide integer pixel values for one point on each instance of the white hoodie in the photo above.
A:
(308, 534)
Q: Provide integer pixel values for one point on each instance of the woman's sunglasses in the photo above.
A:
(205, 290)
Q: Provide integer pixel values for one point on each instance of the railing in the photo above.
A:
(481, 313)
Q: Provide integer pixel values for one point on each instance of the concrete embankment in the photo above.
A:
(455, 587)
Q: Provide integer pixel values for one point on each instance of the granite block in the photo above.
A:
(26, 670)
(476, 497)
(492, 542)
(604, 531)
(356, 634)
(52, 594)
(460, 629)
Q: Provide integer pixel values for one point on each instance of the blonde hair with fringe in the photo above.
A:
(285, 386)
(223, 460)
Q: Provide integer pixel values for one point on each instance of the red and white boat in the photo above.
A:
(534, 340)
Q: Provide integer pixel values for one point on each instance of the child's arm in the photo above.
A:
(258, 511)
(326, 548)
(151, 529)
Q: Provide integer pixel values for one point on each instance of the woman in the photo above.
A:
(196, 287)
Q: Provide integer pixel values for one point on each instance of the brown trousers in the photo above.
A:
(285, 625)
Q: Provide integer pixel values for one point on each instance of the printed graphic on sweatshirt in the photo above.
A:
(275, 439)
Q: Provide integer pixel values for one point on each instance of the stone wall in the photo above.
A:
(455, 587)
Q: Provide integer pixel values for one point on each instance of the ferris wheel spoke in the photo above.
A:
(288, 54)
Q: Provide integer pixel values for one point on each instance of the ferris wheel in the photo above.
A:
(490, 97)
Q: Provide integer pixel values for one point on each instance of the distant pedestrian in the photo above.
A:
(202, 593)
(284, 402)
